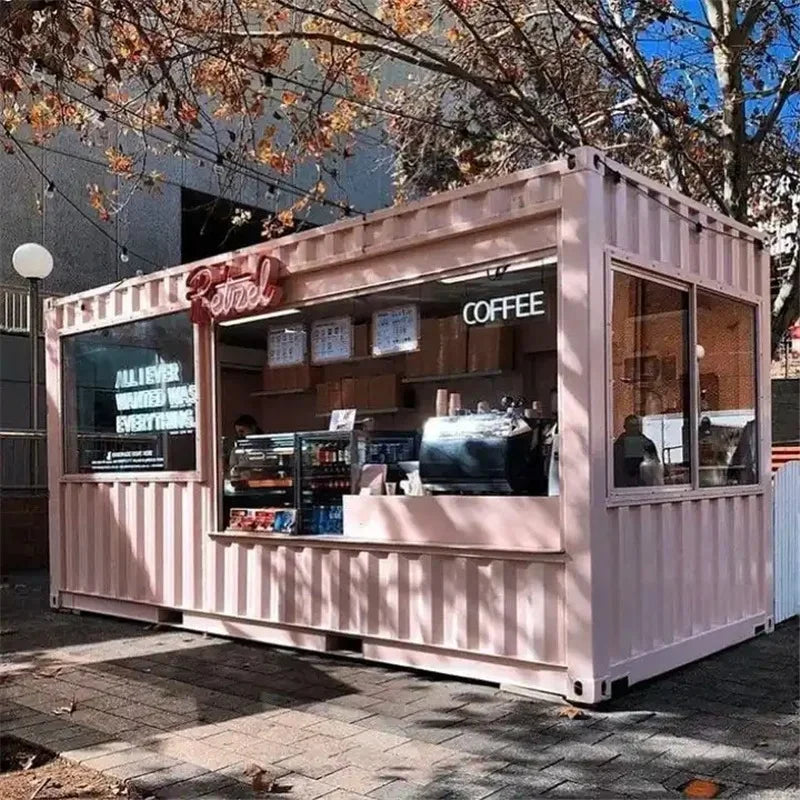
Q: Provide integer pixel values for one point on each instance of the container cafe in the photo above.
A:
(516, 432)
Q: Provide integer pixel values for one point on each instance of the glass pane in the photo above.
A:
(129, 397)
(650, 380)
(726, 357)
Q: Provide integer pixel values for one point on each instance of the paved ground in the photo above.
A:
(182, 714)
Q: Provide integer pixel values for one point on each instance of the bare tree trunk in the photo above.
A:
(729, 36)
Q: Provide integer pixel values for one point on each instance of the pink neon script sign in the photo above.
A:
(225, 292)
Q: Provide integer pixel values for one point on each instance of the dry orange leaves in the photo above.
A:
(118, 162)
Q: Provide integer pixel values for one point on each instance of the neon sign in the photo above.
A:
(512, 306)
(157, 387)
(223, 292)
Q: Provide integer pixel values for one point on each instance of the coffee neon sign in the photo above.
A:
(512, 306)
(225, 292)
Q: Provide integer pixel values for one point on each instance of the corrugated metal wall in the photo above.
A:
(144, 542)
(680, 569)
(139, 541)
(660, 228)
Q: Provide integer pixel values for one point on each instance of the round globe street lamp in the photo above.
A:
(33, 262)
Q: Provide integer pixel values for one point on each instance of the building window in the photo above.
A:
(727, 435)
(650, 383)
(129, 397)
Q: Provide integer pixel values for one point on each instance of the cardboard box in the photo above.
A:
(302, 377)
(323, 401)
(361, 343)
(451, 356)
(423, 362)
(361, 393)
(282, 379)
(348, 392)
(384, 391)
(490, 348)
(335, 394)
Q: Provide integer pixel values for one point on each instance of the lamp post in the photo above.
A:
(33, 262)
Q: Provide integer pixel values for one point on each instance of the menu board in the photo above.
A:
(286, 346)
(395, 330)
(332, 340)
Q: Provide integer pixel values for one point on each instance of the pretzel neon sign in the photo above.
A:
(225, 292)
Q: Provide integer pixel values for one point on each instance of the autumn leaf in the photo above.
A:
(262, 780)
(289, 98)
(97, 200)
(187, 113)
(280, 162)
(570, 712)
(286, 218)
(118, 162)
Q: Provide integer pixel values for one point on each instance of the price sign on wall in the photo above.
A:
(287, 346)
(395, 330)
(332, 340)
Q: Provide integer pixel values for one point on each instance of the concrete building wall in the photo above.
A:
(150, 223)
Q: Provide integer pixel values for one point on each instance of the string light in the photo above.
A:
(20, 152)
(50, 192)
(123, 255)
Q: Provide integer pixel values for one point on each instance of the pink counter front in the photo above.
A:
(579, 593)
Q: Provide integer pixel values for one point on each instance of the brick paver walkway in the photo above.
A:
(181, 715)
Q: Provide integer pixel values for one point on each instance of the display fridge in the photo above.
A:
(328, 467)
(259, 484)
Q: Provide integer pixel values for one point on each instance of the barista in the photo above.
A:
(245, 425)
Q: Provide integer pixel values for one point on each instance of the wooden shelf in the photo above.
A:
(276, 392)
(365, 412)
(489, 373)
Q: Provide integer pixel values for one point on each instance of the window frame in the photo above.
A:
(195, 475)
(641, 495)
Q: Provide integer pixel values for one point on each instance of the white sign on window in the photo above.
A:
(395, 330)
(159, 389)
(332, 340)
(287, 346)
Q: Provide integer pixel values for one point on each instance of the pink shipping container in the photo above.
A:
(578, 593)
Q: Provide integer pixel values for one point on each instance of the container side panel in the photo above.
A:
(659, 228)
(683, 569)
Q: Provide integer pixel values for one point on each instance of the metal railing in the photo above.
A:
(23, 460)
(15, 312)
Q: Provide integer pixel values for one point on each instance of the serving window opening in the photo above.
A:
(445, 387)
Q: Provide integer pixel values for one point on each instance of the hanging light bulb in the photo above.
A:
(123, 255)
(50, 191)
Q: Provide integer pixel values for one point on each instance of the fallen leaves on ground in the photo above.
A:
(262, 779)
(570, 712)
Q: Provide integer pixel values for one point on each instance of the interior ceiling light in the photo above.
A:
(284, 312)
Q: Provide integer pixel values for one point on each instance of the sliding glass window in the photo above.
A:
(727, 436)
(650, 383)
(654, 439)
